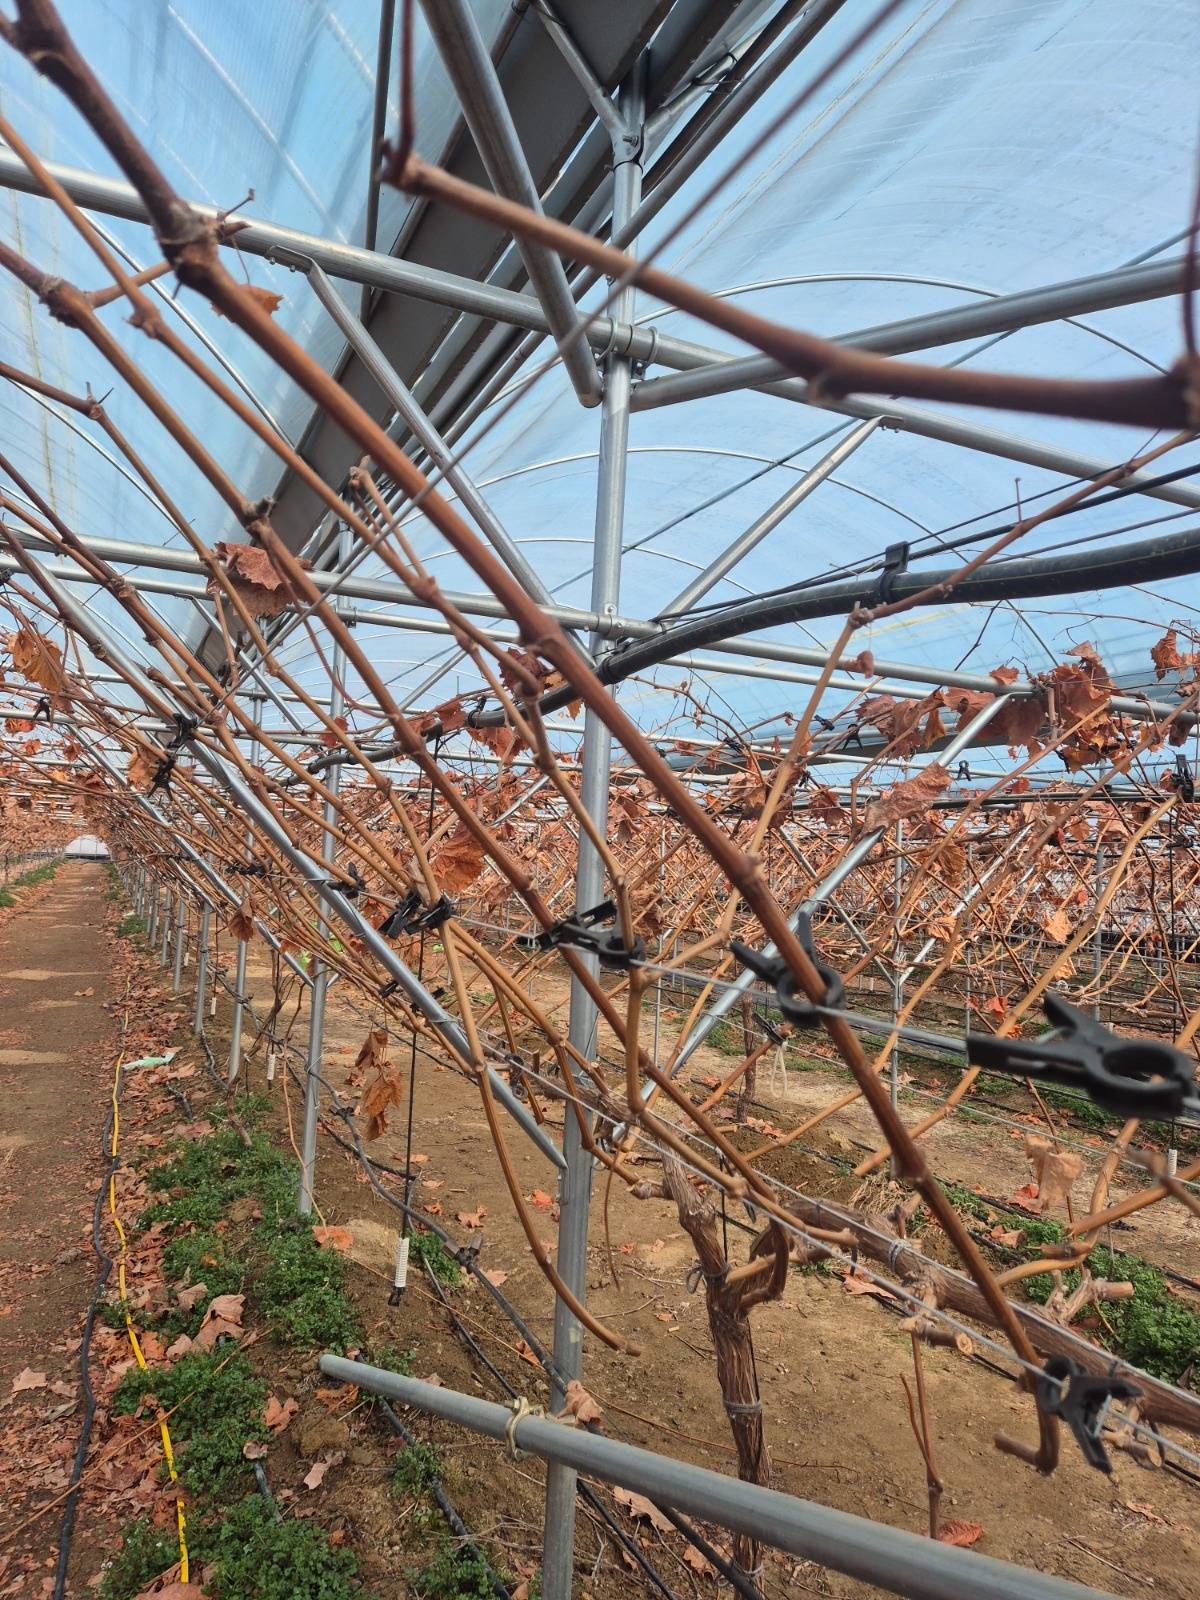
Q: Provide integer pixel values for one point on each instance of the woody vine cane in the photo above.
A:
(731, 859)
(189, 245)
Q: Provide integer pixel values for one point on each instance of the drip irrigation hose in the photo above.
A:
(444, 1505)
(746, 1589)
(1172, 555)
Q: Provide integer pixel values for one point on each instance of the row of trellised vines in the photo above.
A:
(981, 895)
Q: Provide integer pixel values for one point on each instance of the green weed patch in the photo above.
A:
(216, 1402)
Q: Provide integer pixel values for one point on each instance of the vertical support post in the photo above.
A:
(575, 1187)
(201, 969)
(897, 964)
(1097, 952)
(967, 950)
(180, 940)
(239, 980)
(320, 971)
(152, 924)
(165, 930)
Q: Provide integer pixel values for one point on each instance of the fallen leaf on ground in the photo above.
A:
(277, 1416)
(495, 1277)
(188, 1298)
(332, 1238)
(639, 1507)
(1008, 1236)
(525, 1350)
(224, 1316)
(27, 1378)
(541, 1199)
(1144, 1509)
(254, 1450)
(316, 1474)
(960, 1533)
(472, 1219)
(697, 1562)
(174, 1591)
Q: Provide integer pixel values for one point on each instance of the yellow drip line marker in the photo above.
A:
(164, 1431)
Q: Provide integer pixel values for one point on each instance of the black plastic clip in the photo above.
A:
(433, 916)
(351, 891)
(185, 727)
(396, 922)
(963, 775)
(162, 773)
(580, 932)
(769, 1028)
(776, 971)
(1129, 1077)
(42, 709)
(1182, 781)
(1082, 1403)
(895, 561)
(413, 916)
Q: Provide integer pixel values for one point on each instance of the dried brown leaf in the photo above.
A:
(907, 799)
(460, 861)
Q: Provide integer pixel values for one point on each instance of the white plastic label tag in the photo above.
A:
(270, 1066)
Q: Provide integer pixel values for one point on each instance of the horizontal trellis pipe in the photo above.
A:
(645, 344)
(293, 247)
(900, 1562)
(634, 628)
(998, 314)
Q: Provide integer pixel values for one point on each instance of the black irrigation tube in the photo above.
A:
(85, 1344)
(936, 545)
(681, 1524)
(693, 1536)
(1170, 555)
(439, 1494)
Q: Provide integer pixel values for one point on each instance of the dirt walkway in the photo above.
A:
(56, 1062)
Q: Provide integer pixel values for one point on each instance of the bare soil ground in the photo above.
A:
(829, 1364)
(55, 1075)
